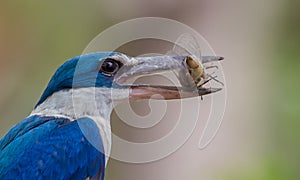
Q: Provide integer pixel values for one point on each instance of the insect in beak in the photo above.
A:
(191, 74)
(198, 71)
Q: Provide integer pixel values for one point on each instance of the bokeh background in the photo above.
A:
(259, 137)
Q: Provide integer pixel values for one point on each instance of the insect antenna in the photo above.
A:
(206, 81)
(214, 78)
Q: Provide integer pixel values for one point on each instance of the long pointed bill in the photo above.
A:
(142, 66)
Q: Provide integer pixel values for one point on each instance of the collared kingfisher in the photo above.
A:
(68, 133)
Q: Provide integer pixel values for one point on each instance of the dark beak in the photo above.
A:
(145, 66)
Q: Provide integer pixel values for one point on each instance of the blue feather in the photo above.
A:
(84, 69)
(51, 148)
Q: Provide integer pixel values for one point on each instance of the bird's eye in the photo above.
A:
(110, 67)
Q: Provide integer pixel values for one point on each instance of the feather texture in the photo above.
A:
(52, 148)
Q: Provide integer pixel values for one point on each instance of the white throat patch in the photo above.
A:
(91, 102)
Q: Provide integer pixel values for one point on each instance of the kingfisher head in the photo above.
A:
(102, 77)
(90, 70)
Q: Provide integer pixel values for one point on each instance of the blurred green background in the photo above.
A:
(259, 136)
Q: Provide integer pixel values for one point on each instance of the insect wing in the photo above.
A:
(186, 45)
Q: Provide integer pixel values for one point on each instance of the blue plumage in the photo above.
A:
(43, 148)
(86, 68)
(48, 146)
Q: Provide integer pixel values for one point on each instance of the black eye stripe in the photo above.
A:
(110, 66)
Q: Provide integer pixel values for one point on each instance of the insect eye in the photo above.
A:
(110, 66)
